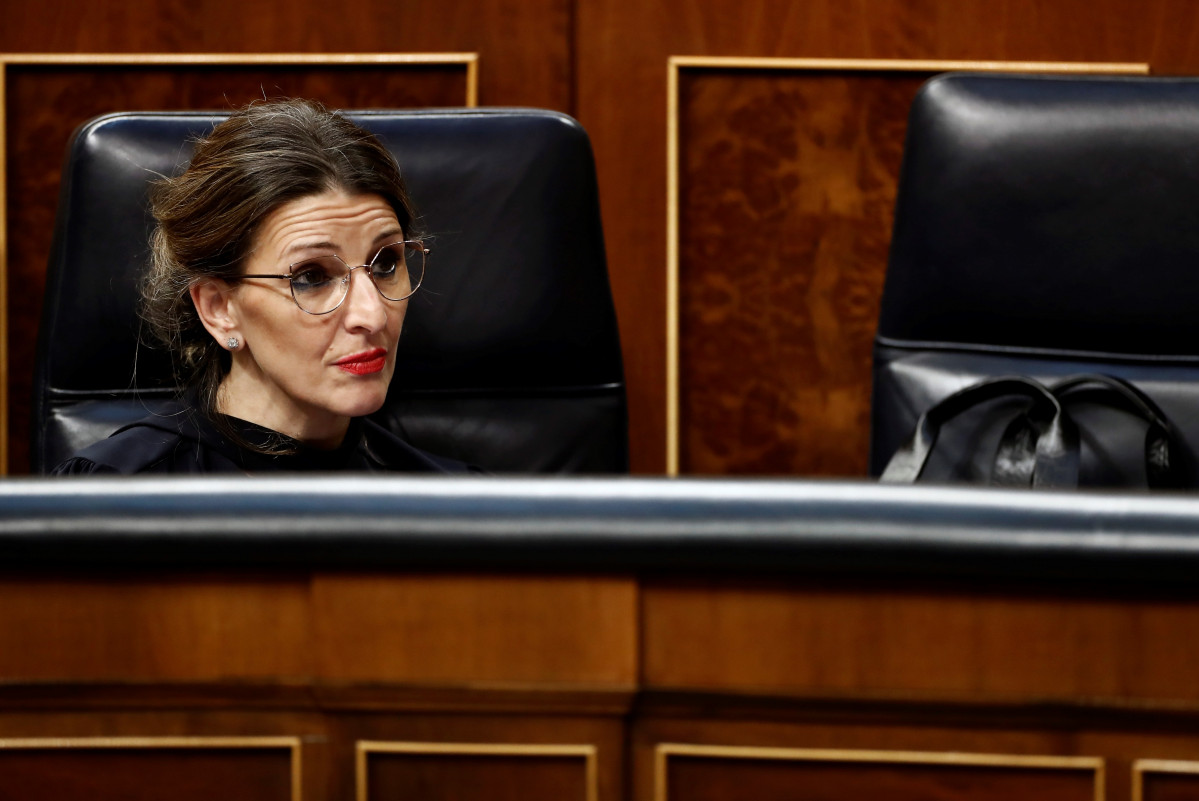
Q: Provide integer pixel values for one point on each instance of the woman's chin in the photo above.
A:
(367, 404)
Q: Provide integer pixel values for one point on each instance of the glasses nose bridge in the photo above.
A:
(347, 281)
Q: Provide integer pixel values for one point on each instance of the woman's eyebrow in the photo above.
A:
(300, 247)
(388, 234)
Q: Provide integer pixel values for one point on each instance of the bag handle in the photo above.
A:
(1039, 448)
(1163, 449)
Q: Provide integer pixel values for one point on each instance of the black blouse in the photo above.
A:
(185, 442)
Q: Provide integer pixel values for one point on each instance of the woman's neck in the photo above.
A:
(316, 428)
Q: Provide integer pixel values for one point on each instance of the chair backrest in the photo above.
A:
(1044, 226)
(510, 356)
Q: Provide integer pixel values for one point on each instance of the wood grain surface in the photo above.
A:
(615, 664)
(908, 643)
(906, 739)
(174, 629)
(422, 629)
(695, 778)
(786, 190)
(469, 776)
(145, 774)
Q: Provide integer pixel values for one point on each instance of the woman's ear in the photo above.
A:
(212, 299)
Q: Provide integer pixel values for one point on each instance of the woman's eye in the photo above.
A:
(385, 264)
(310, 277)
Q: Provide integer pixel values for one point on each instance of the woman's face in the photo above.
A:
(306, 375)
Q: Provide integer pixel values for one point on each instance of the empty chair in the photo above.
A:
(1044, 227)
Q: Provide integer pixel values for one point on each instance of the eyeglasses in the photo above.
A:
(320, 285)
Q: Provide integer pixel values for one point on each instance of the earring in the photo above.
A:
(232, 343)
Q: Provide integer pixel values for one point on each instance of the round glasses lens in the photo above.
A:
(398, 269)
(318, 285)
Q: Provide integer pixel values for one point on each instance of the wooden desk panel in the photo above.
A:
(713, 773)
(232, 769)
(904, 642)
(446, 629)
(331, 660)
(475, 771)
(173, 628)
(435, 630)
(619, 665)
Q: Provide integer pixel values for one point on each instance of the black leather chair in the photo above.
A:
(1045, 226)
(510, 357)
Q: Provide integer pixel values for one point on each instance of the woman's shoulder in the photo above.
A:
(387, 452)
(177, 440)
(157, 443)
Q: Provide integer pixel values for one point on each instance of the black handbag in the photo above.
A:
(1014, 431)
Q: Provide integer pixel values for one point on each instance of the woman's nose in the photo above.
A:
(365, 307)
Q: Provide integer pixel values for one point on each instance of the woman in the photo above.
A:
(281, 267)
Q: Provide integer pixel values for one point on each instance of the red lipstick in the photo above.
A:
(365, 363)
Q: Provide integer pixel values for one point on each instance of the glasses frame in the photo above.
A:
(414, 244)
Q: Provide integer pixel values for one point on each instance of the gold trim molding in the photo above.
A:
(663, 751)
(588, 753)
(675, 64)
(469, 61)
(1170, 766)
(291, 744)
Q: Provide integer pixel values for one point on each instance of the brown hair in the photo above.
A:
(261, 157)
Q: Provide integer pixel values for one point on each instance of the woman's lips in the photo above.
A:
(365, 363)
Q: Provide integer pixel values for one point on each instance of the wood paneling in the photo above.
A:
(945, 644)
(903, 750)
(1165, 780)
(150, 769)
(786, 188)
(578, 632)
(555, 756)
(613, 666)
(460, 629)
(174, 628)
(688, 773)
(329, 720)
(525, 48)
(482, 771)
